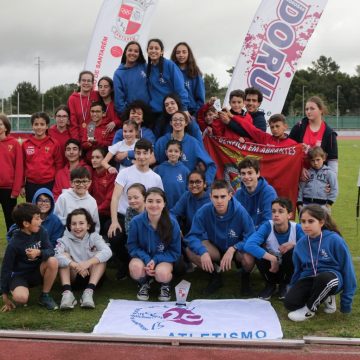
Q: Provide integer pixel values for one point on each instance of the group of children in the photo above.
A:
(95, 195)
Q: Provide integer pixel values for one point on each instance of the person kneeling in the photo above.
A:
(154, 245)
(226, 224)
(28, 261)
(272, 246)
(82, 254)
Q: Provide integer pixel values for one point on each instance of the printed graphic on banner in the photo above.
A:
(223, 319)
(118, 22)
(272, 48)
(281, 166)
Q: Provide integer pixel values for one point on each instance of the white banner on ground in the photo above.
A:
(223, 319)
(118, 22)
(273, 45)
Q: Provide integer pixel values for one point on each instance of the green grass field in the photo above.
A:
(35, 318)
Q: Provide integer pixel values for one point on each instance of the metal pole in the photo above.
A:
(18, 110)
(337, 106)
(303, 100)
(42, 102)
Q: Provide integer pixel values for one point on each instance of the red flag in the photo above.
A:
(281, 166)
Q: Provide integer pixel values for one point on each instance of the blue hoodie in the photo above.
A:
(130, 84)
(333, 256)
(192, 154)
(188, 205)
(196, 91)
(170, 82)
(15, 260)
(256, 244)
(258, 203)
(174, 178)
(51, 223)
(144, 241)
(224, 231)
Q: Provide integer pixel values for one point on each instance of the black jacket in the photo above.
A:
(328, 142)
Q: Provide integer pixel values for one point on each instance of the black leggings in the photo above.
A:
(311, 291)
(283, 276)
(7, 204)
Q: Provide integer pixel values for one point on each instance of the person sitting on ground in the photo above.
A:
(322, 268)
(77, 197)
(255, 194)
(272, 247)
(82, 255)
(227, 226)
(154, 246)
(28, 261)
(315, 190)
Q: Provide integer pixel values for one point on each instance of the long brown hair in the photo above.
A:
(164, 227)
(320, 214)
(192, 69)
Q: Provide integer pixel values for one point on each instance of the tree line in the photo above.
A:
(322, 78)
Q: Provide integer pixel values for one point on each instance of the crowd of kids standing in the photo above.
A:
(123, 174)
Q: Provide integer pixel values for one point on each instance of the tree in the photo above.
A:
(211, 85)
(29, 98)
(325, 66)
(57, 95)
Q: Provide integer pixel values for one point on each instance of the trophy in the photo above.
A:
(91, 131)
(182, 291)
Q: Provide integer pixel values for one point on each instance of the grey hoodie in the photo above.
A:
(91, 245)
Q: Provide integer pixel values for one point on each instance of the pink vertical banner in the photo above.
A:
(273, 46)
(118, 22)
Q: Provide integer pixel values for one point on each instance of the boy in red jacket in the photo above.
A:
(98, 136)
(42, 157)
(227, 124)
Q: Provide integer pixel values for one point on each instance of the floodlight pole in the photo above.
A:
(337, 106)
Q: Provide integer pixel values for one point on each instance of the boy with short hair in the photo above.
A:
(255, 194)
(227, 122)
(77, 197)
(227, 225)
(278, 136)
(99, 136)
(141, 173)
(253, 100)
(73, 153)
(321, 177)
(28, 261)
(42, 157)
(272, 246)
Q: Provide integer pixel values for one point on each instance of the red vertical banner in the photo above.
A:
(281, 166)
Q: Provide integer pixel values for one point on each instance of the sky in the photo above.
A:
(59, 32)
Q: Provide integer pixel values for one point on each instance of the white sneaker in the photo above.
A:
(330, 304)
(68, 300)
(301, 314)
(87, 300)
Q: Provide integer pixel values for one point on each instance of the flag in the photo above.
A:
(118, 22)
(273, 45)
(280, 166)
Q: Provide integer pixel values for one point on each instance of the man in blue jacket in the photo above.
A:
(255, 194)
(227, 225)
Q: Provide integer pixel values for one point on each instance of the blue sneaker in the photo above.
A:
(47, 301)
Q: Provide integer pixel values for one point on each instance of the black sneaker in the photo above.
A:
(245, 288)
(214, 284)
(143, 293)
(282, 291)
(267, 292)
(47, 301)
(165, 292)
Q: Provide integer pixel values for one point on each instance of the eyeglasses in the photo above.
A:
(62, 116)
(44, 201)
(81, 182)
(195, 182)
